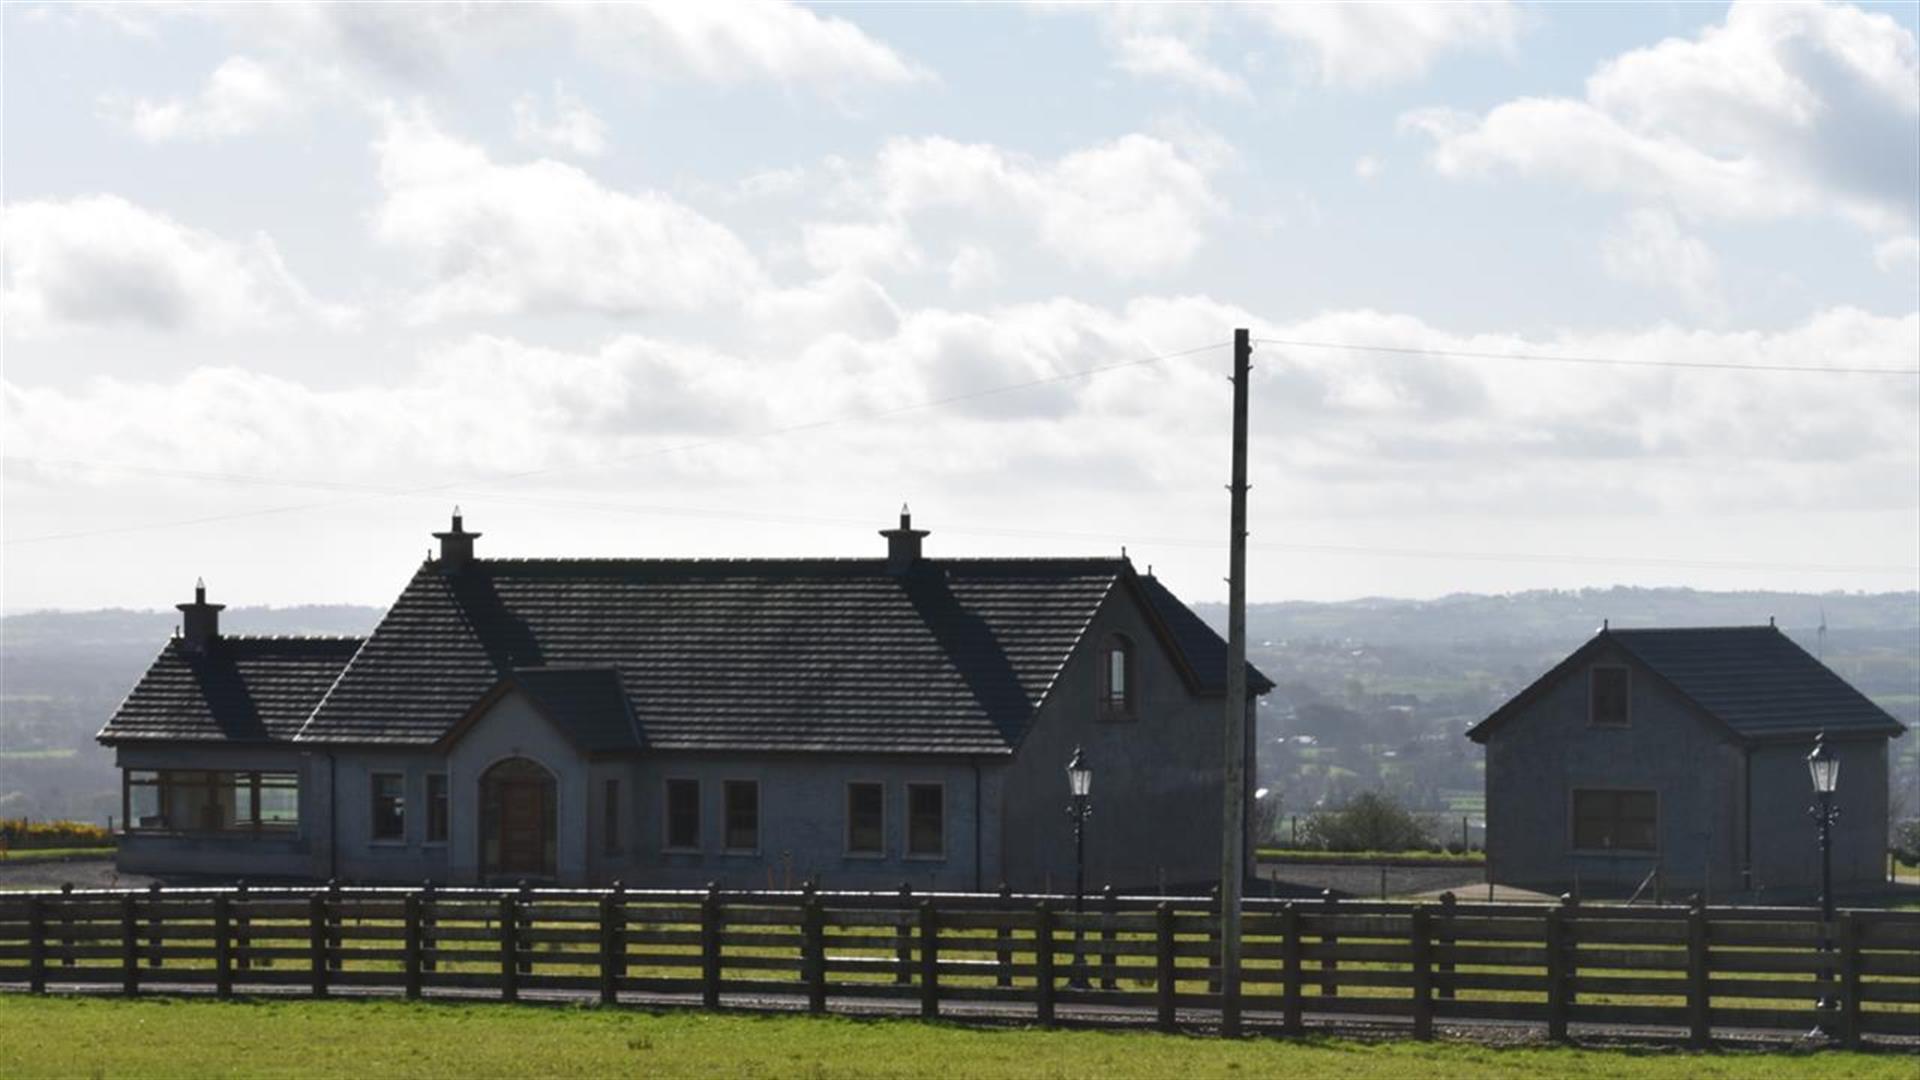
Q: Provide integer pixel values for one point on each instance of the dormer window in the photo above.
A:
(1117, 679)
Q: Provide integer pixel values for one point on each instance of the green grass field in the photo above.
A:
(20, 855)
(161, 1037)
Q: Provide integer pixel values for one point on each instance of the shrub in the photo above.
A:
(1370, 821)
(1905, 842)
(24, 835)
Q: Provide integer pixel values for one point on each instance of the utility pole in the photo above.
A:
(1233, 849)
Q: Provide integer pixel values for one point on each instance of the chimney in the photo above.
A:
(456, 546)
(903, 543)
(200, 621)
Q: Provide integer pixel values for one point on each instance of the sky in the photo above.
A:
(284, 284)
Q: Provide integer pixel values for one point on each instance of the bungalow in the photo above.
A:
(669, 722)
(1683, 750)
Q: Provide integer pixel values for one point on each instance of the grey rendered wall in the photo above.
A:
(803, 824)
(1157, 779)
(1536, 759)
(513, 728)
(1786, 852)
(358, 857)
(221, 855)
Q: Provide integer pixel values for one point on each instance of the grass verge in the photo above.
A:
(58, 854)
(162, 1037)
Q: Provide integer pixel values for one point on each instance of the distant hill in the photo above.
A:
(1385, 685)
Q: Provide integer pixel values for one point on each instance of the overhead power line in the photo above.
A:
(1608, 361)
(367, 492)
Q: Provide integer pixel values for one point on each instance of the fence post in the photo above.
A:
(1448, 912)
(1043, 963)
(153, 925)
(1849, 943)
(613, 943)
(710, 947)
(66, 924)
(428, 945)
(1213, 943)
(1699, 1034)
(1109, 908)
(509, 946)
(410, 947)
(335, 955)
(222, 946)
(929, 961)
(1422, 972)
(242, 938)
(1557, 973)
(813, 939)
(36, 944)
(524, 912)
(1165, 986)
(609, 988)
(129, 948)
(1329, 967)
(1003, 939)
(903, 938)
(1570, 944)
(1291, 948)
(317, 942)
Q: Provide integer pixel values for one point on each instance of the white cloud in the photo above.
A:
(1896, 253)
(859, 246)
(1366, 167)
(1168, 57)
(972, 268)
(240, 97)
(1352, 46)
(1650, 248)
(1346, 433)
(1780, 111)
(101, 261)
(1131, 207)
(543, 236)
(573, 128)
(1361, 46)
(727, 43)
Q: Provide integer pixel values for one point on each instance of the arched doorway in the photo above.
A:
(517, 820)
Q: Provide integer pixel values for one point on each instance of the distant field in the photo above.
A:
(1471, 858)
(160, 1037)
(37, 755)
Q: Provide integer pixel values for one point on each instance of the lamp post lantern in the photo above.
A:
(1823, 767)
(1080, 787)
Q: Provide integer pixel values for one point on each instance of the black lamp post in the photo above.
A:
(1824, 768)
(1080, 785)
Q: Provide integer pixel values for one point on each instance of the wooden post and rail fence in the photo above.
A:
(1153, 960)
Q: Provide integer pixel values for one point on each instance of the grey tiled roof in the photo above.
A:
(815, 654)
(242, 688)
(1204, 650)
(1753, 679)
(588, 704)
(1757, 681)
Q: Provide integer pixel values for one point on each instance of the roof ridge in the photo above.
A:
(1690, 629)
(357, 638)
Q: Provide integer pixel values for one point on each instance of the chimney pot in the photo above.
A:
(456, 545)
(200, 621)
(903, 543)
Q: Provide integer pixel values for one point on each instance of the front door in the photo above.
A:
(517, 821)
(523, 828)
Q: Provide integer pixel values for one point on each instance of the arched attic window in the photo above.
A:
(1118, 691)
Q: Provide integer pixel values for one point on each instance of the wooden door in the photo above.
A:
(523, 827)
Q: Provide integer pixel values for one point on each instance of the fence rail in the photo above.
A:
(1147, 959)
